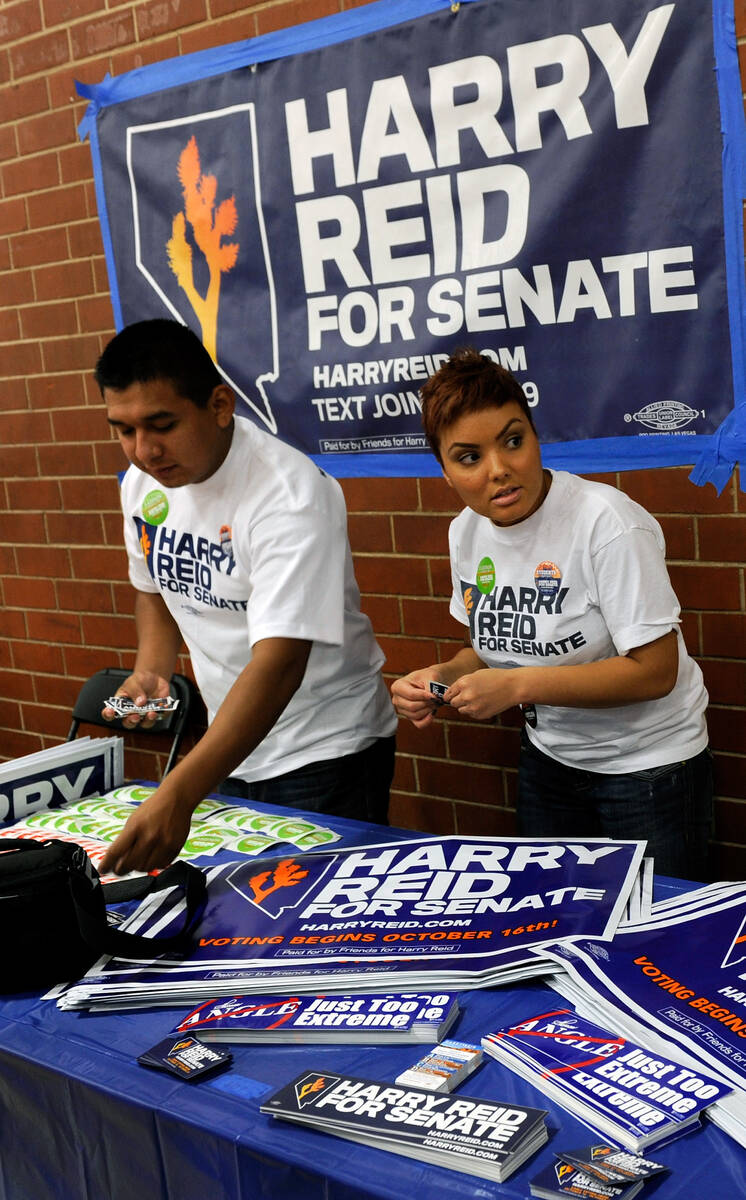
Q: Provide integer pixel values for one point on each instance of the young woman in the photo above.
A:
(571, 615)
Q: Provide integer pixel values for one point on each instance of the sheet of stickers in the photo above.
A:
(95, 821)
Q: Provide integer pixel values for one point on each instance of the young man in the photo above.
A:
(237, 544)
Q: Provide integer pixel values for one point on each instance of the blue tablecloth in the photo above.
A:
(80, 1120)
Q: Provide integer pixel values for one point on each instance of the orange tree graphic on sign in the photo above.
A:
(286, 874)
(210, 224)
(308, 1089)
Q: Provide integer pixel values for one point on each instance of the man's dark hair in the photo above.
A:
(159, 349)
(467, 382)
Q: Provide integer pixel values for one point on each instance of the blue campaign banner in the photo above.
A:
(336, 207)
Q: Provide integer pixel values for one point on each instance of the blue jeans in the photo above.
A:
(670, 807)
(356, 785)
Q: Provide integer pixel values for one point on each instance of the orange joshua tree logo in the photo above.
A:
(309, 1089)
(210, 223)
(286, 874)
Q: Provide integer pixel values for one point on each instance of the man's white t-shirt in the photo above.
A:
(260, 550)
(582, 579)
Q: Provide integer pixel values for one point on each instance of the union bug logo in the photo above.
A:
(665, 415)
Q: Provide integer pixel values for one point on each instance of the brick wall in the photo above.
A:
(66, 604)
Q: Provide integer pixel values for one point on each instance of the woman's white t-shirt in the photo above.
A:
(582, 579)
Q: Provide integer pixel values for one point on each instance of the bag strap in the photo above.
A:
(107, 940)
(21, 857)
(131, 889)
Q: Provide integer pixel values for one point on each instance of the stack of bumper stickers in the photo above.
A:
(597, 1172)
(94, 822)
(384, 1018)
(613, 1085)
(427, 913)
(444, 1068)
(186, 1058)
(674, 983)
(463, 1133)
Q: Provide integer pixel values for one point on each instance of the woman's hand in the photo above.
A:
(645, 673)
(412, 696)
(483, 694)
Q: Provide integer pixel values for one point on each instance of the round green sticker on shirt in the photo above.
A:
(155, 507)
(486, 576)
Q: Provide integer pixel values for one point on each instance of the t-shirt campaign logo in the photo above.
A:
(505, 619)
(186, 564)
(146, 534)
(199, 236)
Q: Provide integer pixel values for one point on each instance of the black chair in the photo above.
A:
(104, 684)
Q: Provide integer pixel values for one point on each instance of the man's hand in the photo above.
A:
(158, 829)
(139, 687)
(152, 837)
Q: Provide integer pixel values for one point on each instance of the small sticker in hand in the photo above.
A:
(124, 707)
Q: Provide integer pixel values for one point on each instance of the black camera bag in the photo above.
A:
(53, 913)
